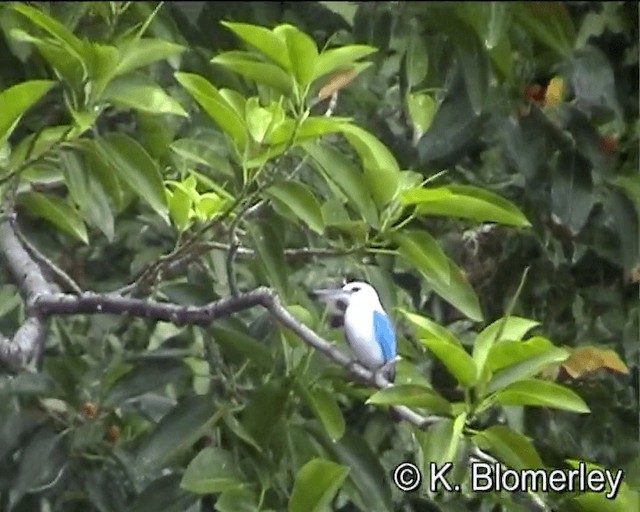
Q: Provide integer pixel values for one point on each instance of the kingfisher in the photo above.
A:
(367, 327)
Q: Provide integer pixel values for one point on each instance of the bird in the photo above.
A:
(369, 332)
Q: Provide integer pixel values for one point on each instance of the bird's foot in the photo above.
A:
(384, 375)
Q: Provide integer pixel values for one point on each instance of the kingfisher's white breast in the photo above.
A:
(358, 326)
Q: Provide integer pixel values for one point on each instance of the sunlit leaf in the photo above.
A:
(541, 393)
(467, 202)
(142, 94)
(411, 395)
(263, 40)
(339, 58)
(16, 100)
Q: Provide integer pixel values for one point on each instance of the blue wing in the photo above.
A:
(385, 335)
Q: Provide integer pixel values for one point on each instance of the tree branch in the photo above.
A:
(28, 341)
(89, 303)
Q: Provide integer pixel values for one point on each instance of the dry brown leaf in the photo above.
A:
(338, 81)
(584, 360)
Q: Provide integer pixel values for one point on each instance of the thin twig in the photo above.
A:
(60, 275)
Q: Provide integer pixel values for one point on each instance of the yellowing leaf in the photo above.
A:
(554, 93)
(584, 360)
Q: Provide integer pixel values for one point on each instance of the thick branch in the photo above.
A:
(28, 341)
(25, 271)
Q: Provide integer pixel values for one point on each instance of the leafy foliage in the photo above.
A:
(476, 162)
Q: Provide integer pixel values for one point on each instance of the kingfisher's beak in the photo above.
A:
(337, 299)
(330, 295)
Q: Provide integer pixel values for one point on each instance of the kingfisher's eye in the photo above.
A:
(355, 289)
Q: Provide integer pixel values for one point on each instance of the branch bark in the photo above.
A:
(27, 344)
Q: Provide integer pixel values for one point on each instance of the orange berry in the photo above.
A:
(113, 434)
(535, 93)
(609, 144)
(90, 410)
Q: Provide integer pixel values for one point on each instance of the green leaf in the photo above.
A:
(337, 59)
(525, 368)
(366, 473)
(317, 482)
(239, 431)
(512, 328)
(424, 252)
(510, 352)
(455, 358)
(263, 40)
(209, 205)
(456, 436)
(88, 194)
(38, 143)
(136, 168)
(327, 411)
(140, 93)
(627, 498)
(411, 395)
(542, 393)
(27, 384)
(237, 500)
(301, 201)
(252, 68)
(212, 471)
(380, 167)
(572, 192)
(457, 292)
(146, 376)
(261, 122)
(163, 495)
(267, 243)
(180, 203)
(421, 109)
(56, 211)
(417, 60)
(435, 443)
(141, 52)
(465, 201)
(425, 328)
(548, 22)
(111, 183)
(210, 99)
(303, 53)
(243, 346)
(72, 44)
(498, 23)
(16, 100)
(40, 462)
(101, 61)
(339, 170)
(196, 151)
(510, 447)
(473, 61)
(311, 128)
(266, 407)
(177, 431)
